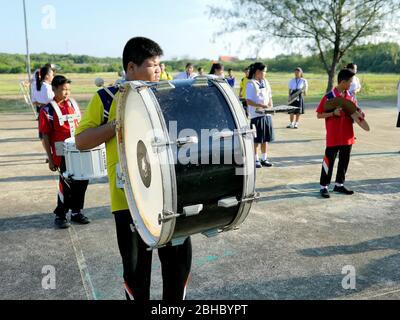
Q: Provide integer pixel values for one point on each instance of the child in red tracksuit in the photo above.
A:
(56, 128)
(339, 136)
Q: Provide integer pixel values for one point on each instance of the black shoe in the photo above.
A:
(258, 165)
(80, 218)
(325, 193)
(343, 190)
(62, 223)
(266, 163)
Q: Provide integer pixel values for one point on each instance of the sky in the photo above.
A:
(101, 28)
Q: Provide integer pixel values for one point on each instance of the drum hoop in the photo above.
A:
(249, 177)
(152, 241)
(170, 190)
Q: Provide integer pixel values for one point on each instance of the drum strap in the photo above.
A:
(70, 118)
(107, 101)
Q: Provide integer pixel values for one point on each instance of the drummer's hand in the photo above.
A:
(337, 112)
(52, 166)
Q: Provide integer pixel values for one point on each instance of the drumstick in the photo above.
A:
(63, 178)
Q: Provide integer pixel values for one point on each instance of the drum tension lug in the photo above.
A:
(212, 233)
(178, 241)
(228, 202)
(193, 210)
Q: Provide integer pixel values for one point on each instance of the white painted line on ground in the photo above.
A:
(83, 268)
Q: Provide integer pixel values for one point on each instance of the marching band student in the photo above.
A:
(200, 71)
(43, 93)
(242, 91)
(231, 78)
(356, 85)
(56, 129)
(34, 87)
(165, 76)
(259, 97)
(217, 70)
(188, 74)
(141, 59)
(339, 136)
(296, 86)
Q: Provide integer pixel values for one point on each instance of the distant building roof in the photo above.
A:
(228, 58)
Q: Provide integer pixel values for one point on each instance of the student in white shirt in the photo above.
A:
(188, 74)
(34, 84)
(355, 87)
(44, 92)
(259, 97)
(297, 85)
(218, 70)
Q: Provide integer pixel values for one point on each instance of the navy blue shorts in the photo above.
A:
(265, 129)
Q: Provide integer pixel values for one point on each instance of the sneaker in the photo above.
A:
(62, 223)
(80, 218)
(325, 193)
(296, 126)
(343, 190)
(258, 165)
(266, 163)
(290, 126)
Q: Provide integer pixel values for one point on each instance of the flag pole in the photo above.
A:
(28, 57)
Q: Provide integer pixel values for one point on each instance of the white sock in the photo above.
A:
(324, 187)
(339, 185)
(257, 158)
(264, 157)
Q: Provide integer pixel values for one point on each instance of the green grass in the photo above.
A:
(375, 87)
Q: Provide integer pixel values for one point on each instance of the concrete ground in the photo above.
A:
(294, 245)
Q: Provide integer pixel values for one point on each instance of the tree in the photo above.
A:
(327, 27)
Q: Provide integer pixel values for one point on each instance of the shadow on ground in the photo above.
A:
(372, 186)
(46, 220)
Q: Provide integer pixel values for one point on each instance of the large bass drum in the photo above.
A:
(187, 158)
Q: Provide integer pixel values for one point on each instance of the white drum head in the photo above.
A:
(143, 164)
(148, 170)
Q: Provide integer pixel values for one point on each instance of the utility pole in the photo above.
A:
(28, 57)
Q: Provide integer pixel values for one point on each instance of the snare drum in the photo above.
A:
(84, 165)
(187, 157)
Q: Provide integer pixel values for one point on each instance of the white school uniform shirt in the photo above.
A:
(184, 76)
(259, 93)
(355, 86)
(45, 95)
(298, 84)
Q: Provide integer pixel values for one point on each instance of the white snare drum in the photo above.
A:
(170, 200)
(84, 165)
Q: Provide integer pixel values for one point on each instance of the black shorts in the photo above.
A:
(265, 129)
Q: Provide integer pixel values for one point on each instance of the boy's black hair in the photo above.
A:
(189, 65)
(59, 81)
(138, 49)
(345, 75)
